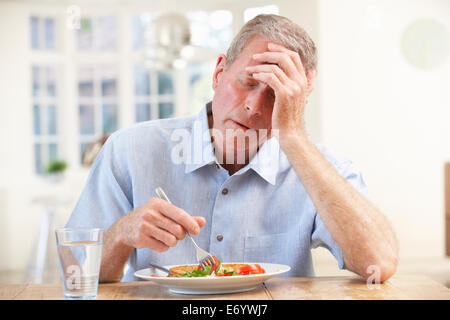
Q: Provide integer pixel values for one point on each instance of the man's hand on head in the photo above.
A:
(282, 70)
(158, 225)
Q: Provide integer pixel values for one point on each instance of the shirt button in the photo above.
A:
(219, 237)
(224, 191)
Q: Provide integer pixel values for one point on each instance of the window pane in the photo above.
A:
(138, 26)
(87, 119)
(38, 158)
(51, 82)
(86, 89)
(83, 148)
(49, 33)
(142, 112)
(109, 87)
(34, 32)
(51, 113)
(211, 29)
(141, 81)
(165, 110)
(85, 35)
(200, 84)
(37, 119)
(35, 79)
(52, 151)
(109, 115)
(106, 33)
(137, 32)
(86, 82)
(165, 83)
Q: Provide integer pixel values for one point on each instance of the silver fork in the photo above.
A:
(163, 269)
(204, 258)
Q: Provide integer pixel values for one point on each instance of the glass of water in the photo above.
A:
(79, 252)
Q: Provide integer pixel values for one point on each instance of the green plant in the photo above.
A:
(56, 166)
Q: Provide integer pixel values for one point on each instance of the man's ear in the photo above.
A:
(220, 67)
(310, 77)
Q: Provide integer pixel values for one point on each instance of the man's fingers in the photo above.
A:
(200, 220)
(282, 59)
(176, 214)
(270, 68)
(271, 80)
(169, 225)
(295, 57)
(146, 240)
(159, 234)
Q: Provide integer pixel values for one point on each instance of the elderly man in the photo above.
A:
(264, 193)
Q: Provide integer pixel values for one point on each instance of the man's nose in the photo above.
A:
(255, 102)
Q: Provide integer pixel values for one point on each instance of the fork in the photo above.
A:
(204, 258)
(163, 269)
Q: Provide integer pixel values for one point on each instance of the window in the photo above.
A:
(99, 61)
(200, 79)
(154, 94)
(211, 29)
(44, 79)
(42, 33)
(97, 97)
(97, 34)
(45, 116)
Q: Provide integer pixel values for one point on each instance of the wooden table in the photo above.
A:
(398, 287)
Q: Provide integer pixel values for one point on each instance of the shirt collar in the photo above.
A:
(201, 148)
(265, 163)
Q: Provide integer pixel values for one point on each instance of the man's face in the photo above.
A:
(241, 104)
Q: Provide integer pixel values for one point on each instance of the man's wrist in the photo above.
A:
(116, 235)
(292, 139)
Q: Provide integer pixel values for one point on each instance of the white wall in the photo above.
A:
(391, 118)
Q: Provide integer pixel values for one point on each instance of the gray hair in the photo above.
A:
(277, 29)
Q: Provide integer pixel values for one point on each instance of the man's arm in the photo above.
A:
(157, 225)
(362, 232)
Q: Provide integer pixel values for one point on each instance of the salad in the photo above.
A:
(218, 270)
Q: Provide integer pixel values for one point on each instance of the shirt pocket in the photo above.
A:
(271, 248)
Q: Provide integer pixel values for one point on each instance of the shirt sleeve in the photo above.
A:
(106, 195)
(320, 235)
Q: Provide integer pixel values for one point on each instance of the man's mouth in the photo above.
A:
(242, 126)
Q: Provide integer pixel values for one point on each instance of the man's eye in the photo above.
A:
(250, 83)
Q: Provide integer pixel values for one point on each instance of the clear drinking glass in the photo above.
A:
(79, 252)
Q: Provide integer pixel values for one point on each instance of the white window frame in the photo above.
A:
(44, 101)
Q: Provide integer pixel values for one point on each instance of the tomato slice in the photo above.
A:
(224, 275)
(215, 266)
(250, 269)
(261, 270)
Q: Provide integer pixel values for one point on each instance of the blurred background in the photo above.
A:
(73, 72)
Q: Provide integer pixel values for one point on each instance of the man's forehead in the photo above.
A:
(255, 45)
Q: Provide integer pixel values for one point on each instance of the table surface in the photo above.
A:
(353, 287)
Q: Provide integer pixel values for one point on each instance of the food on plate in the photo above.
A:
(217, 270)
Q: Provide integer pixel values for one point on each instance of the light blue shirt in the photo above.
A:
(266, 215)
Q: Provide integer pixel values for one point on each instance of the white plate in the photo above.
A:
(213, 285)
